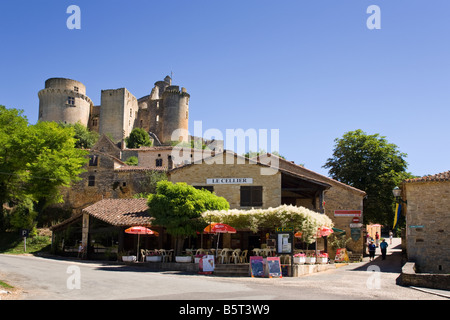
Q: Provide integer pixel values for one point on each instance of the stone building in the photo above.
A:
(164, 113)
(428, 222)
(239, 180)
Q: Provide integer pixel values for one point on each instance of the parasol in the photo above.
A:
(139, 230)
(219, 228)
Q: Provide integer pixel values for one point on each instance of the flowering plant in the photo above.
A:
(154, 253)
(323, 255)
(311, 255)
(199, 255)
(299, 255)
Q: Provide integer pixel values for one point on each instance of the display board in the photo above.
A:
(274, 267)
(206, 264)
(256, 266)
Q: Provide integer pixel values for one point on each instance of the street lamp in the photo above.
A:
(398, 195)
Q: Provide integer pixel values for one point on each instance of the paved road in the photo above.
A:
(49, 279)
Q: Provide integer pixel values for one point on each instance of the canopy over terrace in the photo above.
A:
(106, 219)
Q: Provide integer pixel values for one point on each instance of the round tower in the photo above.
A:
(64, 100)
(175, 115)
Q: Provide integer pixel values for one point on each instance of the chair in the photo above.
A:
(224, 256)
(235, 256)
(256, 252)
(243, 257)
(163, 254)
(143, 254)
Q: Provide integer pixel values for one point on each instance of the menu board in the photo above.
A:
(206, 264)
(256, 266)
(274, 267)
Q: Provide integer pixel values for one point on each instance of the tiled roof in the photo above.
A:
(136, 168)
(121, 212)
(444, 176)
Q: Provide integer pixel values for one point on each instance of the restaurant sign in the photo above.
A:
(347, 213)
(229, 181)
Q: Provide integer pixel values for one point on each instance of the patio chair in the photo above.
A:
(243, 257)
(223, 257)
(256, 252)
(235, 256)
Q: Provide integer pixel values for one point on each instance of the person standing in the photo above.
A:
(383, 247)
(377, 238)
(391, 235)
(372, 251)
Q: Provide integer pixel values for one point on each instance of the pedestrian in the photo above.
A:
(391, 235)
(377, 238)
(371, 251)
(80, 250)
(383, 247)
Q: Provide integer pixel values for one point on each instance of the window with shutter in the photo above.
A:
(251, 196)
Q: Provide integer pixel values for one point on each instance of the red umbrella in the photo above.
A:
(140, 230)
(219, 228)
(324, 231)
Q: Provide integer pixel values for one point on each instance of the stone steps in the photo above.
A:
(232, 270)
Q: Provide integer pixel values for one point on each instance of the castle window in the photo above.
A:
(159, 162)
(131, 113)
(94, 122)
(157, 118)
(187, 114)
(75, 89)
(91, 181)
(71, 101)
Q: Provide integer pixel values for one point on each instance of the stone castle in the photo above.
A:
(164, 113)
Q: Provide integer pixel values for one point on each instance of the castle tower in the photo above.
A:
(175, 115)
(118, 113)
(64, 100)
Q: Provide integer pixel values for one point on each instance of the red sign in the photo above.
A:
(347, 213)
(355, 220)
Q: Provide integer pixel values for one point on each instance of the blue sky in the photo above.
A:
(311, 69)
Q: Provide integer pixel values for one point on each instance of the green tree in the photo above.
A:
(138, 138)
(178, 208)
(85, 139)
(369, 163)
(35, 161)
(132, 161)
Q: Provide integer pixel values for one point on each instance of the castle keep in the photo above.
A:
(164, 113)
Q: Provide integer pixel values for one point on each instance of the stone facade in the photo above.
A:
(428, 222)
(164, 113)
(227, 166)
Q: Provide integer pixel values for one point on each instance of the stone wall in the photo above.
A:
(427, 225)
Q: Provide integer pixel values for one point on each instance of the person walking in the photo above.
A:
(372, 248)
(383, 247)
(377, 238)
(391, 235)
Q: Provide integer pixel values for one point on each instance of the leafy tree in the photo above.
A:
(372, 164)
(178, 208)
(138, 138)
(35, 161)
(132, 161)
(85, 139)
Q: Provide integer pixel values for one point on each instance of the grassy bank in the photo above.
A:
(12, 243)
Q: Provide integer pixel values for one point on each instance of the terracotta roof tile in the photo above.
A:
(121, 212)
(443, 176)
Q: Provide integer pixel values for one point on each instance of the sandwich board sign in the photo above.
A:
(256, 266)
(274, 267)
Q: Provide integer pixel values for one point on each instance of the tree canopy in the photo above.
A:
(138, 138)
(178, 207)
(35, 161)
(369, 163)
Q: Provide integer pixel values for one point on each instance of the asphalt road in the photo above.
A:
(63, 279)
